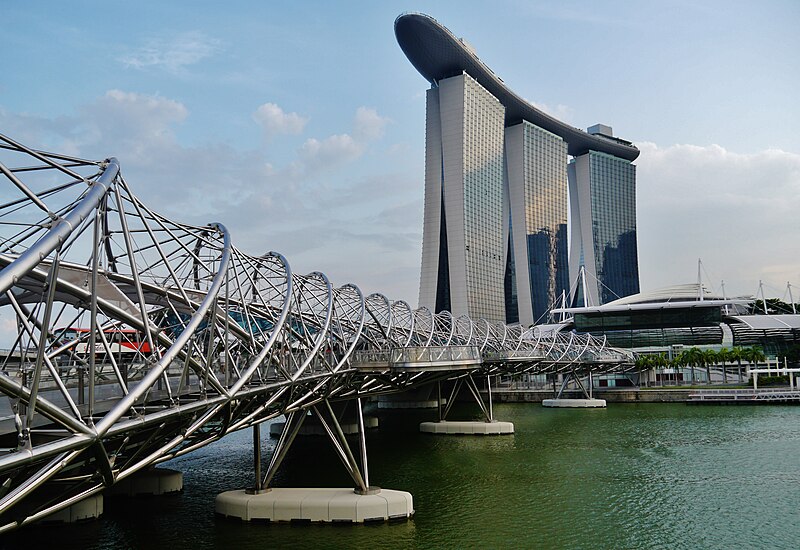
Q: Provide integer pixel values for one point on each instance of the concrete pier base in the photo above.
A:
(87, 509)
(575, 403)
(153, 482)
(467, 428)
(316, 505)
(312, 427)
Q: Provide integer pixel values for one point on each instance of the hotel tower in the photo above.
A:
(500, 177)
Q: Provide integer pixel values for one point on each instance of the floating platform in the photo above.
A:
(467, 428)
(575, 403)
(152, 482)
(87, 509)
(316, 505)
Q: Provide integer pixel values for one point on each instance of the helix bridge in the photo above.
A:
(132, 339)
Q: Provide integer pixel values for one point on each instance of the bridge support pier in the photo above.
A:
(150, 482)
(466, 427)
(588, 402)
(365, 503)
(87, 509)
(419, 398)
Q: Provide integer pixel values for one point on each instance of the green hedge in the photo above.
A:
(771, 381)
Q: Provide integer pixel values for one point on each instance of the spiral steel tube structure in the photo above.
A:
(137, 338)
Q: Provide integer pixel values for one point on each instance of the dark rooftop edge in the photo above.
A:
(437, 54)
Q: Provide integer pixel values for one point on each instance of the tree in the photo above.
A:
(724, 356)
(692, 357)
(677, 362)
(754, 355)
(660, 361)
(642, 363)
(709, 358)
(737, 353)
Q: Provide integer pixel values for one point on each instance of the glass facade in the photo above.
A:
(648, 318)
(656, 327)
(604, 187)
(772, 341)
(484, 123)
(545, 183)
(464, 242)
(495, 226)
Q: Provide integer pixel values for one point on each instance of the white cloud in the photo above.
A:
(738, 212)
(135, 115)
(319, 216)
(275, 121)
(196, 184)
(368, 125)
(316, 156)
(173, 54)
(331, 151)
(561, 112)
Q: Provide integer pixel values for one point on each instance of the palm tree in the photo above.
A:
(642, 363)
(679, 361)
(723, 356)
(737, 354)
(692, 357)
(754, 354)
(660, 361)
(709, 358)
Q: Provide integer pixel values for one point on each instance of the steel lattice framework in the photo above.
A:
(137, 339)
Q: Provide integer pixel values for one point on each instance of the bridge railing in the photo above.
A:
(516, 354)
(418, 354)
(604, 357)
(436, 354)
(372, 357)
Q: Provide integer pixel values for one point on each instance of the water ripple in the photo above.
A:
(631, 476)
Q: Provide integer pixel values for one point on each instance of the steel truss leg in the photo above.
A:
(469, 381)
(473, 388)
(580, 385)
(294, 420)
(362, 440)
(572, 376)
(489, 392)
(257, 457)
(564, 383)
(337, 438)
(439, 399)
(452, 398)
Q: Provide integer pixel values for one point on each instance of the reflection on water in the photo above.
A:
(631, 476)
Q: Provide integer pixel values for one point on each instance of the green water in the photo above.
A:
(630, 476)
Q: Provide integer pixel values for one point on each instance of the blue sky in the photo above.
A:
(300, 125)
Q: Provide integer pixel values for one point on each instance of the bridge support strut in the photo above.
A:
(365, 503)
(587, 402)
(489, 426)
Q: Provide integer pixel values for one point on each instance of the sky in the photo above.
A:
(300, 125)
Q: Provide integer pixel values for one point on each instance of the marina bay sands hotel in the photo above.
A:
(499, 177)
